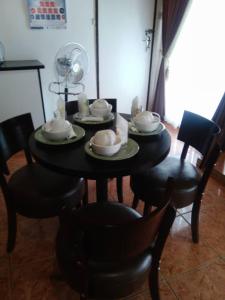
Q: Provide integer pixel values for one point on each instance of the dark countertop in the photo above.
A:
(9, 65)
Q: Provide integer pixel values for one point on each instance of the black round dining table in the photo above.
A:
(71, 159)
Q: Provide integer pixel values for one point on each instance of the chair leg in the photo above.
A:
(195, 221)
(119, 186)
(154, 283)
(12, 228)
(135, 202)
(164, 230)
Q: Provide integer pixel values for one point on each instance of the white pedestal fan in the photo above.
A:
(71, 66)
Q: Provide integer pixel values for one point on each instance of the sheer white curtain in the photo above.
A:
(196, 79)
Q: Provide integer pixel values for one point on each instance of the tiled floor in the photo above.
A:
(220, 166)
(188, 271)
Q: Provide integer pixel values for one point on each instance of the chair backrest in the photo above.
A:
(14, 135)
(196, 131)
(209, 163)
(72, 106)
(108, 237)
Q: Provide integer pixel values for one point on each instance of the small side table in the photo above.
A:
(13, 65)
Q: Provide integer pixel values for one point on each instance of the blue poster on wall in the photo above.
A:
(47, 14)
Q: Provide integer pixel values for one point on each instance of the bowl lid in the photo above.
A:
(57, 125)
(100, 104)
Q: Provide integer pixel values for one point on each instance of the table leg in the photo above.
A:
(102, 189)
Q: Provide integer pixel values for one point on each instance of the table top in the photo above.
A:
(72, 159)
(11, 65)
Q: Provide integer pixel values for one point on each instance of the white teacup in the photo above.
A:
(56, 129)
(146, 121)
(105, 137)
(106, 142)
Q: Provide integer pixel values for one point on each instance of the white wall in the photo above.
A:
(124, 61)
(19, 94)
(24, 43)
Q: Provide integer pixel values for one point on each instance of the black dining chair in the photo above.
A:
(190, 179)
(32, 190)
(108, 250)
(72, 108)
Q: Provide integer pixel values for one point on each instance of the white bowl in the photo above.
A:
(106, 150)
(106, 137)
(100, 103)
(100, 111)
(146, 124)
(56, 131)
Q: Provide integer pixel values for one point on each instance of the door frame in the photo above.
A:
(151, 56)
(97, 58)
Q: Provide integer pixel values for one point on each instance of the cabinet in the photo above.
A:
(21, 90)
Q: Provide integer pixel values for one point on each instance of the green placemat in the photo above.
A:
(107, 119)
(133, 130)
(80, 132)
(125, 152)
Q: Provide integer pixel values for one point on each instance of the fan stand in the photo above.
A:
(66, 89)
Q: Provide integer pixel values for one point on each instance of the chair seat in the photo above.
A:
(152, 183)
(117, 280)
(104, 278)
(40, 193)
(125, 278)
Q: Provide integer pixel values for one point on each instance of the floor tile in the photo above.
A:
(180, 253)
(205, 283)
(185, 209)
(4, 290)
(35, 281)
(3, 241)
(143, 293)
(35, 241)
(212, 230)
(42, 289)
(4, 266)
(34, 269)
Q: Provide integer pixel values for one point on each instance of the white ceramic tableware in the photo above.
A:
(100, 108)
(56, 129)
(105, 142)
(146, 121)
(105, 137)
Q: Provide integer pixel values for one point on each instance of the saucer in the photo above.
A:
(78, 119)
(80, 133)
(126, 151)
(134, 131)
